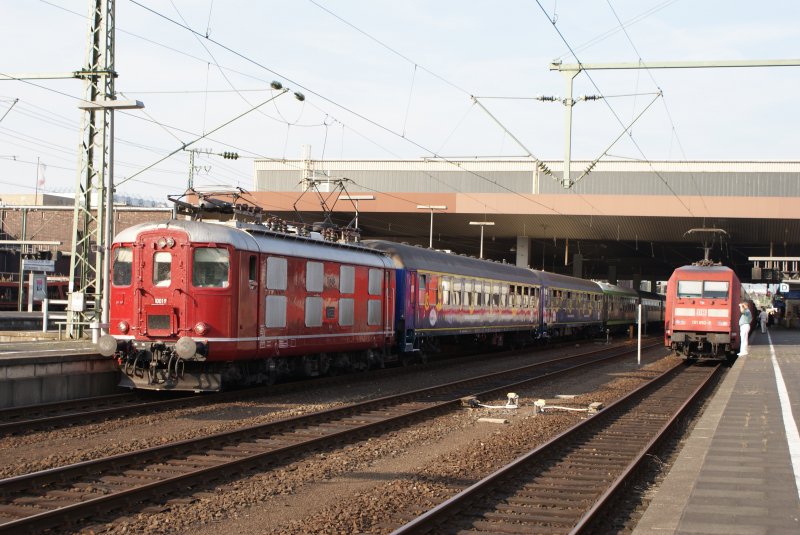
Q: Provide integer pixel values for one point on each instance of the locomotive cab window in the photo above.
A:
(688, 289)
(210, 267)
(123, 266)
(715, 289)
(162, 268)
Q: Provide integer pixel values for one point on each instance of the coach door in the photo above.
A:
(164, 278)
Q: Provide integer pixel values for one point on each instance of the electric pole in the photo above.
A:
(88, 232)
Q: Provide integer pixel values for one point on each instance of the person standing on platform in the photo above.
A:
(762, 319)
(744, 328)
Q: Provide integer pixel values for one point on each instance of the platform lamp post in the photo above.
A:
(104, 248)
(431, 207)
(482, 224)
(355, 199)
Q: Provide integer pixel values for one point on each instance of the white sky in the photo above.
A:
(367, 100)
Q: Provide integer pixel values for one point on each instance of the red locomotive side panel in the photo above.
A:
(701, 316)
(324, 307)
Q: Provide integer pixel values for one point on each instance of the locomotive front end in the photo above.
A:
(700, 321)
(168, 295)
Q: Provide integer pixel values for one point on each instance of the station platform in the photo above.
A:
(36, 368)
(739, 471)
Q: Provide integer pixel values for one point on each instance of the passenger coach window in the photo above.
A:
(468, 293)
(690, 288)
(123, 266)
(162, 267)
(210, 267)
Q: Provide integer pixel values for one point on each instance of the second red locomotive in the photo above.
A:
(702, 311)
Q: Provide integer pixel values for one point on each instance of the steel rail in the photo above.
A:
(10, 423)
(436, 519)
(630, 471)
(257, 444)
(18, 420)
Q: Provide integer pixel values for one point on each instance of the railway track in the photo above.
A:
(566, 485)
(69, 494)
(19, 420)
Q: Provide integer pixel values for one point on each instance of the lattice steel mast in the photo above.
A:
(88, 226)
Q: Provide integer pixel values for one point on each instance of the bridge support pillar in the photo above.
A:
(612, 274)
(523, 251)
(577, 265)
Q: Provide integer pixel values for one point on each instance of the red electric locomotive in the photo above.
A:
(702, 312)
(197, 305)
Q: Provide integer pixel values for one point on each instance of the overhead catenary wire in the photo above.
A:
(343, 127)
(616, 116)
(223, 125)
(358, 115)
(652, 77)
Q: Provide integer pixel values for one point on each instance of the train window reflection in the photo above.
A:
(210, 266)
(715, 289)
(690, 288)
(123, 266)
(162, 268)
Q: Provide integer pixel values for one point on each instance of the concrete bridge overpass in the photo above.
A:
(624, 219)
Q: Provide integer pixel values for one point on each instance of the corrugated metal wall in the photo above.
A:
(740, 179)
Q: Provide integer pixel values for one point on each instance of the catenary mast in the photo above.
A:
(89, 231)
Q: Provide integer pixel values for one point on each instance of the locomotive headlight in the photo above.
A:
(162, 242)
(123, 326)
(201, 328)
(170, 242)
